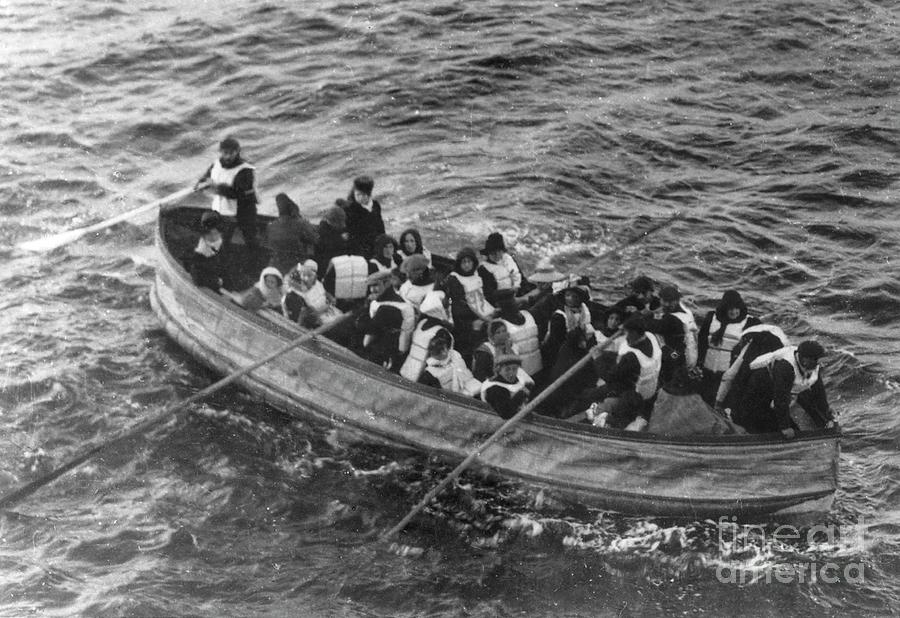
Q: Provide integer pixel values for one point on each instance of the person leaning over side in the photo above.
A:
(778, 378)
(507, 391)
(233, 183)
(364, 222)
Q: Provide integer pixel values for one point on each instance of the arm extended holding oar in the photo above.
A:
(147, 424)
(496, 436)
(48, 243)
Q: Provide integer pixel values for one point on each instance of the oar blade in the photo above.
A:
(49, 243)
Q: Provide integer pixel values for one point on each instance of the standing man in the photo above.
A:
(233, 183)
(364, 222)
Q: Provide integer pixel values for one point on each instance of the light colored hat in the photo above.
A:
(378, 276)
(308, 265)
(545, 272)
(507, 359)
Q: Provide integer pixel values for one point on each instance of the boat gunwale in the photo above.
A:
(342, 356)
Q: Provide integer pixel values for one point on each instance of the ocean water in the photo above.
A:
(770, 127)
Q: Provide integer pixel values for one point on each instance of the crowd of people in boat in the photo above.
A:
(486, 330)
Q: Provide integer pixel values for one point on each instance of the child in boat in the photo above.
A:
(208, 264)
(469, 308)
(267, 293)
(497, 343)
(720, 332)
(411, 244)
(446, 369)
(306, 300)
(508, 389)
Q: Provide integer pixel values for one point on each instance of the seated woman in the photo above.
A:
(208, 263)
(385, 258)
(522, 329)
(469, 308)
(387, 324)
(306, 300)
(419, 280)
(267, 293)
(499, 270)
(445, 369)
(508, 389)
(497, 343)
(411, 244)
(720, 332)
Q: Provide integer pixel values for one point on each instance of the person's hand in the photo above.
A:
(831, 424)
(789, 433)
(201, 184)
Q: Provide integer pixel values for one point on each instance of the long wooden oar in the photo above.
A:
(139, 428)
(48, 243)
(504, 428)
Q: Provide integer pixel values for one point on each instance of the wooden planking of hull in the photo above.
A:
(693, 476)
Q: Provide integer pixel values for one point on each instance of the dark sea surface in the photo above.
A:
(770, 126)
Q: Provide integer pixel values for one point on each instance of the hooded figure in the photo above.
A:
(267, 293)
(290, 238)
(332, 239)
(719, 334)
(446, 369)
(470, 309)
(385, 250)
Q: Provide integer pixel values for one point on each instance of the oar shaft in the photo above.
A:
(143, 426)
(504, 428)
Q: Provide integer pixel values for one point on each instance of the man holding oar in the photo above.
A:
(233, 183)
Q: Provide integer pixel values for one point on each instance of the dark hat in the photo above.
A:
(210, 220)
(467, 252)
(579, 285)
(286, 206)
(229, 143)
(493, 243)
(641, 284)
(364, 184)
(811, 349)
(669, 293)
(635, 322)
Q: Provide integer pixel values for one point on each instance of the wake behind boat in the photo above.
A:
(691, 476)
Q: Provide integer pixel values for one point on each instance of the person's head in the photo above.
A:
(670, 298)
(497, 333)
(336, 217)
(415, 267)
(505, 300)
(545, 275)
(635, 328)
(731, 308)
(466, 261)
(808, 354)
(494, 247)
(614, 318)
(286, 206)
(507, 366)
(642, 288)
(229, 151)
(439, 347)
(411, 241)
(575, 294)
(210, 227)
(307, 272)
(385, 246)
(378, 282)
(272, 281)
(362, 189)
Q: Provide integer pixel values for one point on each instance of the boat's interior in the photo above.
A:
(179, 229)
